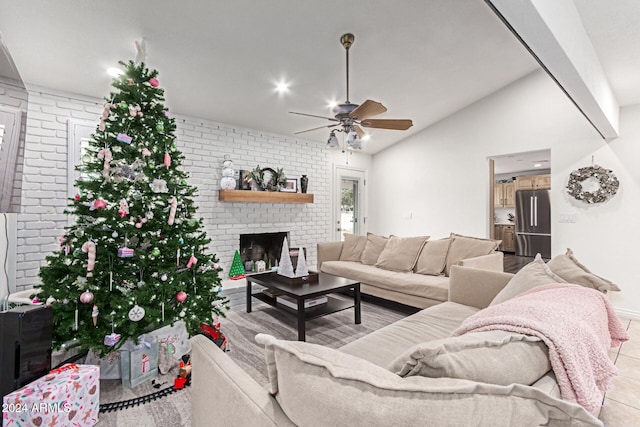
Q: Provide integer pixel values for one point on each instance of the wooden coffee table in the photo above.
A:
(327, 284)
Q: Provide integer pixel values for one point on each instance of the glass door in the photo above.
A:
(350, 203)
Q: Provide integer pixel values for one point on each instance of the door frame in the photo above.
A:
(340, 172)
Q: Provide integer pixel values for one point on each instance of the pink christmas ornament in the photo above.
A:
(89, 248)
(105, 154)
(154, 82)
(35, 301)
(99, 204)
(173, 206)
(86, 297)
(124, 208)
(192, 261)
(145, 152)
(102, 126)
(123, 137)
(181, 296)
(111, 339)
(167, 160)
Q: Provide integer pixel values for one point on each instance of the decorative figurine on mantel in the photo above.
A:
(228, 182)
(286, 267)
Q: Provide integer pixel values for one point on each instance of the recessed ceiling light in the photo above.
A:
(537, 165)
(332, 104)
(282, 87)
(115, 71)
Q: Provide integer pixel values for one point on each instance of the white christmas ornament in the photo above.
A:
(136, 313)
(285, 268)
(301, 268)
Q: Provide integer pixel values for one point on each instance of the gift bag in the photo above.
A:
(138, 363)
(109, 364)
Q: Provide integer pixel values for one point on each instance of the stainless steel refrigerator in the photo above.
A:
(533, 223)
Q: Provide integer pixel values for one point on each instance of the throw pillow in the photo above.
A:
(494, 357)
(373, 248)
(534, 274)
(463, 247)
(571, 270)
(433, 257)
(316, 385)
(352, 247)
(401, 253)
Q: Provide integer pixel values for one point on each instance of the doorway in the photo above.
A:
(519, 202)
(349, 203)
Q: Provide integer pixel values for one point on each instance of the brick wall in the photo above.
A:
(204, 144)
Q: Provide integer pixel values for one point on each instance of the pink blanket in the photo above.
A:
(578, 324)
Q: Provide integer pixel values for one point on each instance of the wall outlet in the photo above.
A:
(568, 218)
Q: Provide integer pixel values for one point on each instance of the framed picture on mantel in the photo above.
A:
(291, 186)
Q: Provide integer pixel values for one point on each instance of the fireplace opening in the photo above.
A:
(265, 247)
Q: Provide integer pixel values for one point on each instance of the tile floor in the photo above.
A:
(622, 405)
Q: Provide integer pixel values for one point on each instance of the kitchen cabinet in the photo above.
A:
(506, 233)
(504, 195)
(533, 182)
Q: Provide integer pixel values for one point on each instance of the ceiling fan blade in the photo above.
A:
(313, 115)
(359, 131)
(367, 109)
(387, 124)
(319, 127)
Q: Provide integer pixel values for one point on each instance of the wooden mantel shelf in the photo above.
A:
(263, 196)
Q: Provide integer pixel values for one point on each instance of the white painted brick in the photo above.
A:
(203, 144)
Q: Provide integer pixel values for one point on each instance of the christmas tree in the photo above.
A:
(135, 259)
(237, 269)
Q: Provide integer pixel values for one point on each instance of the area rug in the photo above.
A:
(240, 328)
(334, 330)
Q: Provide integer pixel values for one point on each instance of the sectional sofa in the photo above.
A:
(413, 271)
(415, 371)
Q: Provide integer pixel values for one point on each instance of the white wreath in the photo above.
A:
(608, 187)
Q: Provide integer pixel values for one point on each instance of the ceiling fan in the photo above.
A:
(353, 117)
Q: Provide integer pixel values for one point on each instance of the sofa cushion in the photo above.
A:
(463, 247)
(401, 253)
(534, 274)
(495, 357)
(432, 287)
(383, 346)
(318, 386)
(372, 249)
(352, 247)
(433, 258)
(571, 270)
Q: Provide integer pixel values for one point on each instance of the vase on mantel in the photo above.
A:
(304, 181)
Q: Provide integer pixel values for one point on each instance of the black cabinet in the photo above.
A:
(25, 345)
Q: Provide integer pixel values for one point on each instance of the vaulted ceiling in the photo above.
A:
(220, 60)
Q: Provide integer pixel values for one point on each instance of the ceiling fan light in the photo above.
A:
(332, 142)
(353, 141)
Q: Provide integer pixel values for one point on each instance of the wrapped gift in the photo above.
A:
(68, 396)
(138, 363)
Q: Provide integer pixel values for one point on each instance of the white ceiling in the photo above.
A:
(219, 60)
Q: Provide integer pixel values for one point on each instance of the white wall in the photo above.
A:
(204, 144)
(437, 181)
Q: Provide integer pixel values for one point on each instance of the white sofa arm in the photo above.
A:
(328, 251)
(493, 261)
(223, 394)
